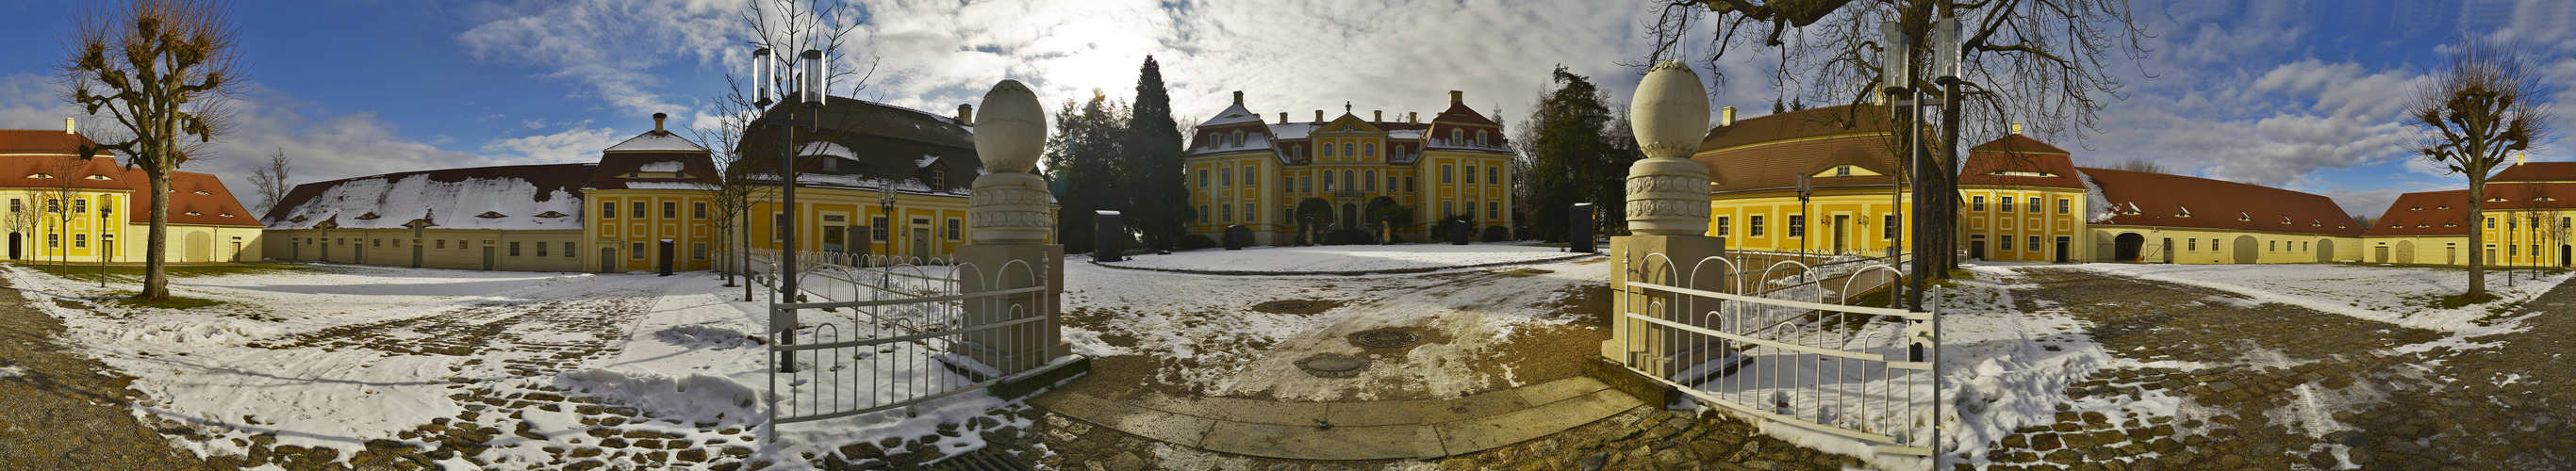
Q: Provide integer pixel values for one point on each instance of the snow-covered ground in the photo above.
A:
(2396, 295)
(1343, 258)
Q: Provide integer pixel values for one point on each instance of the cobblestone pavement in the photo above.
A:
(62, 410)
(2273, 386)
(1642, 438)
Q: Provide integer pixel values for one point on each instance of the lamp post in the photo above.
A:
(1897, 71)
(105, 215)
(805, 82)
(885, 206)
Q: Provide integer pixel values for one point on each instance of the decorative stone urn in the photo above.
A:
(1668, 192)
(1009, 204)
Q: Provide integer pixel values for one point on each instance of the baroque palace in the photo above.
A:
(2530, 220)
(1250, 172)
(872, 179)
(2026, 200)
(65, 208)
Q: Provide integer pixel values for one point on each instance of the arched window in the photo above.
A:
(1457, 137)
(1369, 150)
(1370, 182)
(1480, 139)
(1328, 149)
(1238, 138)
(1346, 150)
(1346, 179)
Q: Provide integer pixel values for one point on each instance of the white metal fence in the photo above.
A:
(875, 333)
(1781, 342)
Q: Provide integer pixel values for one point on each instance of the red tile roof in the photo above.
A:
(47, 152)
(2014, 159)
(195, 198)
(2537, 172)
(2446, 213)
(2163, 200)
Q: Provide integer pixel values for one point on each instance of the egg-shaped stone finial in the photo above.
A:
(1670, 110)
(1011, 130)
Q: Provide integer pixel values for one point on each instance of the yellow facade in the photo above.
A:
(920, 226)
(2545, 237)
(628, 226)
(2050, 229)
(463, 249)
(1246, 171)
(2188, 245)
(1844, 221)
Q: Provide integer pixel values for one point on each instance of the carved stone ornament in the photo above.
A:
(1009, 208)
(1668, 192)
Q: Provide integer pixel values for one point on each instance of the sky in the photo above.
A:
(2304, 95)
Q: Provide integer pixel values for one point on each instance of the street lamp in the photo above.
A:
(106, 215)
(885, 206)
(805, 81)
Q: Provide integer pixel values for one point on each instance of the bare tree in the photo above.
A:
(2037, 61)
(20, 223)
(60, 194)
(2366, 221)
(2137, 164)
(163, 70)
(271, 181)
(2474, 115)
(784, 27)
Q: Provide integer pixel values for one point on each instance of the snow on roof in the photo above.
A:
(1291, 130)
(666, 166)
(826, 149)
(657, 141)
(666, 186)
(2094, 198)
(1404, 134)
(924, 161)
(1232, 115)
(447, 204)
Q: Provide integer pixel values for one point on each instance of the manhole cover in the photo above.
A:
(1385, 338)
(1332, 365)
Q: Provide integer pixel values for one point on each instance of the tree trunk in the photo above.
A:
(1945, 202)
(2477, 235)
(156, 279)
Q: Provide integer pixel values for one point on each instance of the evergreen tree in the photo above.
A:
(1157, 189)
(1083, 160)
(1577, 156)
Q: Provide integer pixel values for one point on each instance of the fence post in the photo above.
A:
(1008, 209)
(1667, 212)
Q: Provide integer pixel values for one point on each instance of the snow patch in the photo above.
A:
(692, 398)
(667, 166)
(704, 336)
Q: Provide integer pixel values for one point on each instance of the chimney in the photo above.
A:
(657, 121)
(1412, 117)
(1456, 97)
(966, 114)
(1380, 116)
(1283, 117)
(1319, 116)
(1238, 98)
(1726, 117)
(70, 127)
(2016, 128)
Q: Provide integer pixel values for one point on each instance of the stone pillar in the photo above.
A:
(1668, 217)
(1008, 211)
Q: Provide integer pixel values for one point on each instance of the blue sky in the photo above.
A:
(2301, 95)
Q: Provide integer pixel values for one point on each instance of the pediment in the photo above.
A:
(1348, 124)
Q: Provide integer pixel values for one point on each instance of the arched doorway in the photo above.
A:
(2248, 250)
(2128, 245)
(1350, 216)
(2405, 251)
(2325, 250)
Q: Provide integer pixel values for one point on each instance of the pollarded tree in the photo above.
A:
(2039, 61)
(164, 71)
(2475, 114)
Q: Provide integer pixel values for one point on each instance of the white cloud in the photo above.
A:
(609, 46)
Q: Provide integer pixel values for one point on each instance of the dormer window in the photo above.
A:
(194, 213)
(296, 219)
(362, 217)
(832, 164)
(1238, 139)
(1480, 139)
(1457, 137)
(490, 215)
(40, 175)
(226, 214)
(551, 214)
(2419, 208)
(937, 177)
(1842, 170)
(204, 193)
(98, 177)
(2497, 200)
(2441, 207)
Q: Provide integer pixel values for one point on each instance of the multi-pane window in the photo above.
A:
(697, 251)
(2191, 244)
(1346, 150)
(442, 243)
(53, 241)
(1251, 174)
(2005, 242)
(1471, 174)
(2034, 205)
(1248, 214)
(1977, 203)
(1307, 184)
(952, 230)
(1328, 150)
(1369, 150)
(15, 206)
(1797, 226)
(2063, 204)
(1493, 211)
(80, 206)
(670, 210)
(1445, 170)
(635, 251)
(2034, 243)
(567, 250)
(53, 205)
(1493, 174)
(2004, 203)
(1753, 226)
(698, 210)
(80, 241)
(608, 210)
(1370, 182)
(1225, 176)
(1887, 230)
(639, 210)
(1225, 213)
(877, 228)
(1448, 208)
(1203, 178)
(1391, 183)
(514, 248)
(1408, 184)
(1203, 214)
(1721, 226)
(541, 249)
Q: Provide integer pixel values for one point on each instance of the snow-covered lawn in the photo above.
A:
(2397, 295)
(1343, 258)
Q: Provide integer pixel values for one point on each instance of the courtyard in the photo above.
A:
(1460, 358)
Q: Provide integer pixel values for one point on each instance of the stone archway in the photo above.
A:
(2248, 250)
(2128, 245)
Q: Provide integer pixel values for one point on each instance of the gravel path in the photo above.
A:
(67, 411)
(2284, 387)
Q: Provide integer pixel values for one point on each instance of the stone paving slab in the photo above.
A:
(1358, 430)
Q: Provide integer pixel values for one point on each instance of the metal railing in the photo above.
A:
(1775, 342)
(876, 338)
